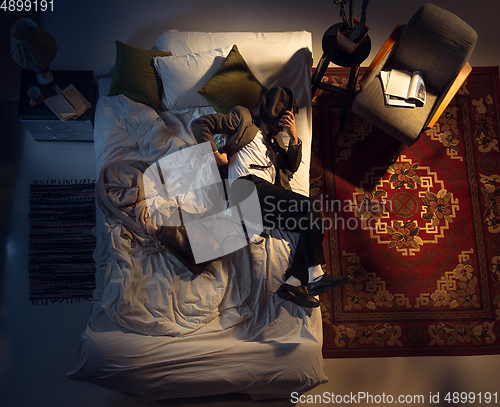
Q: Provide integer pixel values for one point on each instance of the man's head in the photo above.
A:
(274, 103)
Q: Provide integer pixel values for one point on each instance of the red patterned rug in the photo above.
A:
(419, 228)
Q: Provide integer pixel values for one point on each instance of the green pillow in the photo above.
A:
(135, 76)
(233, 84)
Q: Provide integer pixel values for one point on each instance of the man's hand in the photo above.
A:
(220, 159)
(287, 121)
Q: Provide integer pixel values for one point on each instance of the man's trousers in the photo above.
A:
(289, 211)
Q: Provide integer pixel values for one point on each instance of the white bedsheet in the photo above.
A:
(159, 331)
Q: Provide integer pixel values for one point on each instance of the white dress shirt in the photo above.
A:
(256, 153)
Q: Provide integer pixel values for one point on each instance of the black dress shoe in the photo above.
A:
(326, 283)
(297, 295)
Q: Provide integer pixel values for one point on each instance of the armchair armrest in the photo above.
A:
(386, 48)
(451, 92)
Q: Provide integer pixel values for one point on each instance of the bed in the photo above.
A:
(157, 329)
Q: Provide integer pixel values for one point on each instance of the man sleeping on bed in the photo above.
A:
(253, 152)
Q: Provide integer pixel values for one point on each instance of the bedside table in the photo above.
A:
(42, 122)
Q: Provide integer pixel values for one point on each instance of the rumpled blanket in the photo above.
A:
(158, 298)
(120, 196)
(150, 218)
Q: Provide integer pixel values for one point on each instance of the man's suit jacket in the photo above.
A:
(239, 128)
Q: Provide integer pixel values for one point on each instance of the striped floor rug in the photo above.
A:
(62, 216)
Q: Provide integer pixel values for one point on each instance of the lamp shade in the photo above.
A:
(31, 46)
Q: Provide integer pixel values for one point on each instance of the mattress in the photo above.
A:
(156, 329)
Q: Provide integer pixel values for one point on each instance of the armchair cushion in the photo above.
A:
(435, 42)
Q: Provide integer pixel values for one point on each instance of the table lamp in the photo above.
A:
(33, 48)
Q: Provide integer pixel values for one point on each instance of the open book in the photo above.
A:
(68, 103)
(403, 88)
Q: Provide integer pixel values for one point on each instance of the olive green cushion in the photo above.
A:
(233, 84)
(135, 76)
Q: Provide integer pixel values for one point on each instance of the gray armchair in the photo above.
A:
(435, 42)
